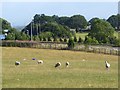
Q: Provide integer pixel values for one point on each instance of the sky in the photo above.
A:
(21, 13)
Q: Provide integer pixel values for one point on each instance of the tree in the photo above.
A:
(10, 36)
(77, 22)
(5, 24)
(89, 40)
(64, 21)
(101, 30)
(75, 39)
(71, 43)
(114, 20)
(57, 30)
(36, 38)
(80, 40)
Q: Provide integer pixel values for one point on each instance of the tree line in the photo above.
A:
(54, 28)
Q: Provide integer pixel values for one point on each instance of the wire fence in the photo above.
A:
(63, 46)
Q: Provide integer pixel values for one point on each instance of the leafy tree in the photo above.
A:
(71, 43)
(101, 30)
(57, 30)
(36, 38)
(89, 40)
(77, 21)
(10, 36)
(114, 20)
(5, 24)
(64, 21)
(75, 39)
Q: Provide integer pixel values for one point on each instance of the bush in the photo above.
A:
(65, 40)
(71, 43)
(54, 39)
(75, 39)
(49, 39)
(89, 40)
(44, 39)
(61, 40)
(80, 40)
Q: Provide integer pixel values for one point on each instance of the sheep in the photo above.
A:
(58, 64)
(17, 63)
(107, 65)
(40, 62)
(67, 64)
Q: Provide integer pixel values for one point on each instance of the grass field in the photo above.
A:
(90, 73)
(82, 35)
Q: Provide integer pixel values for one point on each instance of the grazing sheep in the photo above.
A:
(40, 62)
(24, 59)
(67, 64)
(17, 63)
(58, 64)
(107, 65)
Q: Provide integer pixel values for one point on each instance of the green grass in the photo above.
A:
(116, 34)
(82, 35)
(88, 74)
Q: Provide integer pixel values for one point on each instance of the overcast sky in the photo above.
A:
(21, 13)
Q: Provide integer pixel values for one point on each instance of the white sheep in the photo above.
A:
(17, 63)
(107, 65)
(67, 64)
(40, 61)
(58, 64)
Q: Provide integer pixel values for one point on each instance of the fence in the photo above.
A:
(61, 46)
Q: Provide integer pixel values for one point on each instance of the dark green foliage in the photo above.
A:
(89, 40)
(80, 40)
(101, 30)
(10, 36)
(71, 43)
(77, 21)
(21, 36)
(75, 39)
(36, 38)
(59, 26)
(54, 39)
(64, 21)
(61, 40)
(56, 29)
(49, 39)
(44, 39)
(114, 20)
(5, 24)
(65, 39)
(40, 38)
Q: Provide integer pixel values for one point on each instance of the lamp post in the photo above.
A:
(31, 30)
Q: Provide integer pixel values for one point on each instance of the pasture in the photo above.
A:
(82, 35)
(90, 73)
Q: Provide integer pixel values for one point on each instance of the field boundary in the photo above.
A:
(63, 46)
